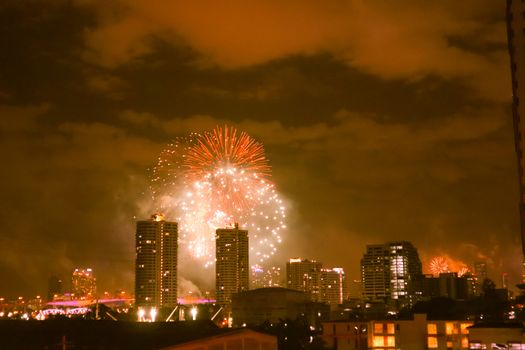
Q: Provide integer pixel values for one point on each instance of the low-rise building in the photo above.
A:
(274, 304)
(497, 335)
(414, 334)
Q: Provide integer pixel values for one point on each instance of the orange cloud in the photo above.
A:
(381, 38)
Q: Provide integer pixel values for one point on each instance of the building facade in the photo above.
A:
(516, 43)
(232, 267)
(333, 288)
(414, 334)
(155, 265)
(266, 277)
(54, 287)
(389, 271)
(83, 284)
(304, 275)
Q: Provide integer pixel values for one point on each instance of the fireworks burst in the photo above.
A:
(438, 265)
(212, 180)
(463, 270)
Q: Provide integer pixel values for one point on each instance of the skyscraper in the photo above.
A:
(54, 287)
(304, 275)
(232, 267)
(83, 284)
(389, 271)
(480, 275)
(265, 277)
(155, 266)
(333, 286)
(516, 43)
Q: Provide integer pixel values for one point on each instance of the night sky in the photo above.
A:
(382, 121)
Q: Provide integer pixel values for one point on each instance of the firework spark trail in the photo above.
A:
(438, 265)
(213, 180)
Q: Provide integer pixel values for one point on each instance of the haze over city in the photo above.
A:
(380, 122)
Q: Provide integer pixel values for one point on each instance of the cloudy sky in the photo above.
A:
(381, 122)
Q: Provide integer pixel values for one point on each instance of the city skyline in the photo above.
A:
(364, 148)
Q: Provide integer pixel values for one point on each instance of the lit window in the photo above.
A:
(378, 341)
(464, 327)
(378, 328)
(449, 344)
(464, 342)
(390, 328)
(431, 328)
(391, 341)
(449, 326)
(432, 342)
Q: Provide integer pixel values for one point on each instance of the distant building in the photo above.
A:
(54, 287)
(505, 280)
(333, 286)
(275, 304)
(83, 284)
(155, 266)
(232, 268)
(304, 275)
(355, 289)
(266, 277)
(480, 274)
(389, 271)
(516, 44)
(415, 334)
(452, 286)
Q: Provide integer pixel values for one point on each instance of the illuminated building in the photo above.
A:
(304, 275)
(232, 268)
(155, 266)
(505, 280)
(516, 44)
(265, 277)
(333, 286)
(83, 284)
(480, 274)
(416, 334)
(54, 287)
(389, 271)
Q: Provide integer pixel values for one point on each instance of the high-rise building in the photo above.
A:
(155, 266)
(266, 277)
(480, 274)
(304, 275)
(54, 287)
(333, 286)
(516, 44)
(389, 271)
(232, 267)
(83, 284)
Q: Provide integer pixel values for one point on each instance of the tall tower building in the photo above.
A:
(304, 275)
(83, 284)
(333, 286)
(480, 275)
(265, 277)
(155, 266)
(232, 267)
(389, 271)
(516, 43)
(54, 287)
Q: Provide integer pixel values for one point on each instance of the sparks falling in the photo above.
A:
(212, 180)
(438, 265)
